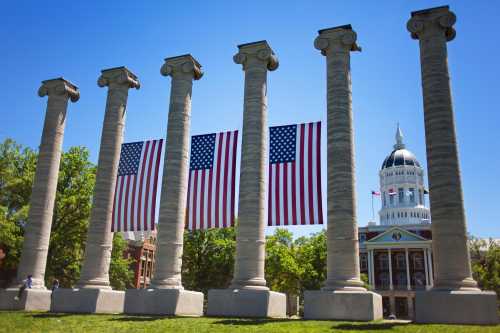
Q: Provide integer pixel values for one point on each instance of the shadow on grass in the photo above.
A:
(139, 319)
(244, 322)
(367, 326)
(48, 315)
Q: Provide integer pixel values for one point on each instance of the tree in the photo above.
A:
(311, 256)
(208, 258)
(71, 214)
(120, 275)
(485, 257)
(283, 272)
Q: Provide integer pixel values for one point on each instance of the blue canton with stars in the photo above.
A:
(283, 144)
(202, 152)
(130, 157)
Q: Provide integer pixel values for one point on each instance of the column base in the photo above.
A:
(171, 302)
(456, 307)
(342, 305)
(87, 300)
(246, 303)
(30, 300)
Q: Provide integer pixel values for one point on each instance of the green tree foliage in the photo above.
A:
(485, 257)
(311, 257)
(208, 258)
(17, 170)
(71, 214)
(120, 275)
(283, 271)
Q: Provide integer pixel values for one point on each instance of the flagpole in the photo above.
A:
(373, 210)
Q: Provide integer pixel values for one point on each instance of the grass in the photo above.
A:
(12, 322)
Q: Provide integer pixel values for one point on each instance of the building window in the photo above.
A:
(384, 200)
(401, 280)
(421, 196)
(400, 261)
(363, 262)
(401, 195)
(391, 199)
(362, 238)
(419, 280)
(418, 261)
(411, 192)
(383, 261)
(383, 280)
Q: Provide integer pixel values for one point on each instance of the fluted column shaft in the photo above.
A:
(342, 231)
(37, 231)
(183, 70)
(257, 59)
(95, 269)
(433, 28)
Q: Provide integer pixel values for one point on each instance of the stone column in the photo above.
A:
(168, 296)
(99, 236)
(183, 70)
(389, 257)
(434, 28)
(256, 59)
(37, 232)
(342, 232)
(248, 294)
(93, 293)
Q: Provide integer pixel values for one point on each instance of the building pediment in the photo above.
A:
(396, 235)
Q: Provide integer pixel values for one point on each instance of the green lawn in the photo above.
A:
(12, 322)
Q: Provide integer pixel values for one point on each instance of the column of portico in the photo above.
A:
(407, 262)
(343, 285)
(248, 294)
(426, 267)
(93, 293)
(454, 284)
(167, 295)
(37, 231)
(431, 267)
(389, 258)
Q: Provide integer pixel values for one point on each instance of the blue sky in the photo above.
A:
(42, 40)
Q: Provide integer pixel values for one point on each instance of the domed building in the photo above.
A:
(396, 254)
(402, 187)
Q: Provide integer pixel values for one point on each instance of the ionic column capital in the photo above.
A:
(341, 38)
(432, 22)
(118, 77)
(184, 65)
(59, 87)
(256, 54)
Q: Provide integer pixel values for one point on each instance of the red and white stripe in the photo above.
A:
(135, 195)
(294, 196)
(211, 192)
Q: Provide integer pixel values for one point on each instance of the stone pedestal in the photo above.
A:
(31, 299)
(456, 307)
(455, 297)
(246, 303)
(343, 296)
(248, 295)
(342, 305)
(170, 302)
(87, 300)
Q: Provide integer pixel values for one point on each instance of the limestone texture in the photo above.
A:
(453, 276)
(30, 300)
(95, 269)
(170, 302)
(87, 300)
(183, 70)
(251, 303)
(37, 231)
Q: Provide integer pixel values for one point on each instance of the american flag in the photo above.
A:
(211, 188)
(136, 186)
(294, 195)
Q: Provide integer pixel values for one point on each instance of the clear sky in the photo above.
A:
(76, 39)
